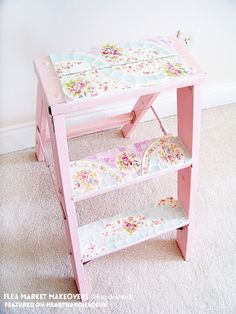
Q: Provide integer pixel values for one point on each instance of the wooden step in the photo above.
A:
(123, 166)
(121, 231)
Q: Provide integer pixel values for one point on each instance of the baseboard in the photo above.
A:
(19, 137)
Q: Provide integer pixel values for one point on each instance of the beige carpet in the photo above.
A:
(33, 249)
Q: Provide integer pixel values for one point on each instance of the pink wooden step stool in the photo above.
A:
(70, 82)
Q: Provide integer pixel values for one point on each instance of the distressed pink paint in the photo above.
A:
(61, 160)
(189, 114)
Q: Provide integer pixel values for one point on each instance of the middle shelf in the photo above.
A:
(123, 166)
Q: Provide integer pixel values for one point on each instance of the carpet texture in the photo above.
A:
(34, 256)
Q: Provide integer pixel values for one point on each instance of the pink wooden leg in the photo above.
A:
(189, 116)
(140, 108)
(61, 161)
(41, 124)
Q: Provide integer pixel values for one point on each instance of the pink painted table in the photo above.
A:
(70, 82)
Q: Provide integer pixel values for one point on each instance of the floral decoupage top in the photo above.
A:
(118, 66)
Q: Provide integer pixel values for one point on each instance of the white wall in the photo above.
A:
(31, 28)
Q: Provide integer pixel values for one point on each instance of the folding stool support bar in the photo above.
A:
(159, 120)
(98, 125)
(140, 108)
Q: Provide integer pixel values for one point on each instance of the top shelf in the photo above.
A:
(115, 67)
(115, 71)
(123, 166)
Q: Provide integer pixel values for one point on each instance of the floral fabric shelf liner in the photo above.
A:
(117, 232)
(115, 67)
(121, 165)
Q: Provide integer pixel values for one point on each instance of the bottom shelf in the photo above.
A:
(118, 232)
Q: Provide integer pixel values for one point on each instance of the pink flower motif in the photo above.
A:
(175, 69)
(111, 52)
(130, 227)
(83, 175)
(91, 246)
(127, 161)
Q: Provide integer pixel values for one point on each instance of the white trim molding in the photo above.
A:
(19, 137)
